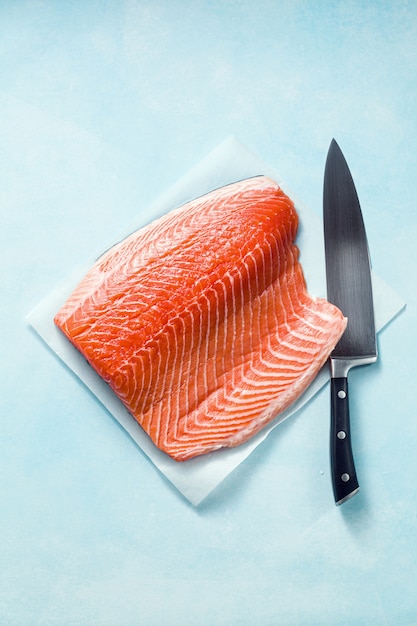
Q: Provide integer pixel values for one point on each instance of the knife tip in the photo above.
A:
(333, 144)
(335, 151)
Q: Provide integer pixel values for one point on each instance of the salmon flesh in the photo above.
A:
(201, 322)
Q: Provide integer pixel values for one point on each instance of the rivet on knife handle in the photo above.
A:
(345, 482)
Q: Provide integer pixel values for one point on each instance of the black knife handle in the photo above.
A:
(345, 482)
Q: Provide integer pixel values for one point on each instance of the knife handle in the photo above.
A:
(345, 482)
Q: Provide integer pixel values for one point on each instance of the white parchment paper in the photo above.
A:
(229, 162)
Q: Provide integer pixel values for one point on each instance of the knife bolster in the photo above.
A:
(339, 367)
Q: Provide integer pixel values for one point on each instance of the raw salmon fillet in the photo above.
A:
(201, 322)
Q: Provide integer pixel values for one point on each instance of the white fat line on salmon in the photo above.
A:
(180, 360)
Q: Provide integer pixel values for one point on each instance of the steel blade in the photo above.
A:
(348, 268)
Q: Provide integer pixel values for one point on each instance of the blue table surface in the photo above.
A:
(104, 105)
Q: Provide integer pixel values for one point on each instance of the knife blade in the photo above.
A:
(349, 287)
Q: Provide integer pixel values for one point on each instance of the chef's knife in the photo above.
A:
(349, 287)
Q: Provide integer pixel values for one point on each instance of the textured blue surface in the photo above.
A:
(103, 106)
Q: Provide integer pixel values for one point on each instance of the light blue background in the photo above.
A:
(103, 105)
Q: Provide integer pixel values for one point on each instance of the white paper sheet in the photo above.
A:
(229, 162)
